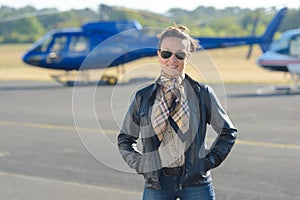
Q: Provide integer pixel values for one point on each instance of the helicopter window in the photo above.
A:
(45, 44)
(59, 43)
(281, 46)
(295, 46)
(78, 44)
(42, 44)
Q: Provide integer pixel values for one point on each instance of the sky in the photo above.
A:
(158, 6)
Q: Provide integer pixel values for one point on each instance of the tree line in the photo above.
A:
(28, 24)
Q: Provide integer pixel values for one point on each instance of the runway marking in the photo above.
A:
(111, 131)
(41, 179)
(55, 127)
(267, 144)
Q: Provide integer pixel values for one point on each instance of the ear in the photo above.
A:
(188, 57)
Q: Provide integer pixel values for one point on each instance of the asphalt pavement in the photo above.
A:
(59, 142)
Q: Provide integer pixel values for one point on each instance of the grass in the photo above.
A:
(10, 55)
(220, 65)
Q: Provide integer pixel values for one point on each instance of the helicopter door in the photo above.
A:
(56, 50)
(77, 50)
(294, 68)
(295, 46)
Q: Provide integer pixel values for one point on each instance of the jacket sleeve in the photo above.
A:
(128, 136)
(227, 133)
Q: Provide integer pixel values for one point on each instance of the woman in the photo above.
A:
(170, 117)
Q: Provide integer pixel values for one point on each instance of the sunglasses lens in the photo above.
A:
(165, 54)
(180, 55)
(168, 54)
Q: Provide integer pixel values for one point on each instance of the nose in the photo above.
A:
(32, 59)
(173, 58)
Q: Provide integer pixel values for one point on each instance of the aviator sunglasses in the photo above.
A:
(180, 55)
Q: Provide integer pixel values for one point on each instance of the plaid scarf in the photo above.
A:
(171, 102)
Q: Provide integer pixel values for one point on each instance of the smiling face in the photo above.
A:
(173, 66)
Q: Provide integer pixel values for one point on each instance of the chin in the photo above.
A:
(172, 73)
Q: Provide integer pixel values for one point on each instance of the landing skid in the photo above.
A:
(293, 88)
(83, 79)
(274, 89)
(107, 80)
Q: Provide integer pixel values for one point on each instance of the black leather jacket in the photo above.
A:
(198, 160)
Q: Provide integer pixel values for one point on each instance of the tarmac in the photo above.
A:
(50, 146)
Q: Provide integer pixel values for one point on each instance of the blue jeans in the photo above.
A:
(171, 190)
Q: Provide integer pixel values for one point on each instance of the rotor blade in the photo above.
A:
(30, 14)
(249, 52)
(255, 23)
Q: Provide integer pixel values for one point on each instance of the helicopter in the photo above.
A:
(104, 44)
(283, 56)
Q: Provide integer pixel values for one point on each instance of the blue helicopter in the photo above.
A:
(104, 44)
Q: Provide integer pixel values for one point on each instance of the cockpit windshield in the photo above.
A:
(42, 44)
(280, 44)
(288, 45)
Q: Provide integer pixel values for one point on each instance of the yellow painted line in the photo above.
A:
(111, 131)
(55, 127)
(267, 144)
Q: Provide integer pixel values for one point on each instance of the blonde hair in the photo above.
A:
(179, 31)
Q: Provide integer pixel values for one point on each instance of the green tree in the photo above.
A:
(22, 30)
(291, 21)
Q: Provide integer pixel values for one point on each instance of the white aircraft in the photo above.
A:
(284, 55)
